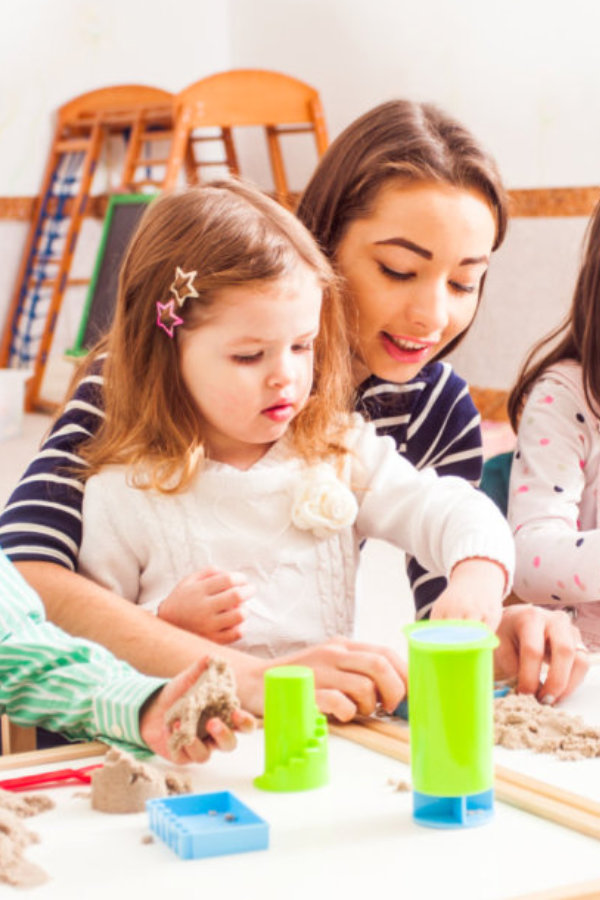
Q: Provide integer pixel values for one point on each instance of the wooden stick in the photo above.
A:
(401, 732)
(548, 808)
(587, 890)
(543, 789)
(546, 801)
(52, 755)
(380, 743)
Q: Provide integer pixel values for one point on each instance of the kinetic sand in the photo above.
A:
(522, 722)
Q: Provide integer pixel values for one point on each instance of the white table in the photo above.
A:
(352, 839)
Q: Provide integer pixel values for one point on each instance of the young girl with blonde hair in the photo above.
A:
(228, 444)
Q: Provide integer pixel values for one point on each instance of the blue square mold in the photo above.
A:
(199, 825)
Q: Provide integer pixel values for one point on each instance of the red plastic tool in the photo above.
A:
(49, 779)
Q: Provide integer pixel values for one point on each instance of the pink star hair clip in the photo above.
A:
(167, 318)
(181, 288)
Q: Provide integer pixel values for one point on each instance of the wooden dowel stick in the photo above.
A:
(578, 801)
(52, 755)
(524, 795)
(400, 732)
(548, 808)
(588, 890)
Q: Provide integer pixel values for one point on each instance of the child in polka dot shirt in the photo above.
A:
(554, 498)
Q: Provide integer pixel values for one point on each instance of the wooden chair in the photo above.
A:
(243, 97)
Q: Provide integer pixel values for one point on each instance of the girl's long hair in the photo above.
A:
(230, 234)
(576, 338)
(399, 141)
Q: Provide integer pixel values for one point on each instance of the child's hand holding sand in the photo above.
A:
(165, 718)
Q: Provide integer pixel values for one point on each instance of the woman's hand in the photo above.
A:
(155, 732)
(209, 603)
(352, 678)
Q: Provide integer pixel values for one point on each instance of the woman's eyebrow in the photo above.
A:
(474, 260)
(410, 245)
(427, 254)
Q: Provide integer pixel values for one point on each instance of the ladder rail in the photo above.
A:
(40, 207)
(79, 203)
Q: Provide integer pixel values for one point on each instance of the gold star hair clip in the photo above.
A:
(182, 287)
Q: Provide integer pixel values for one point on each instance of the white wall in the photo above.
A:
(54, 50)
(527, 293)
(523, 74)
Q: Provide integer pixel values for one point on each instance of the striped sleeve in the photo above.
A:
(42, 519)
(434, 422)
(65, 684)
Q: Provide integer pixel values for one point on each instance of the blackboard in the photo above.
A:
(122, 216)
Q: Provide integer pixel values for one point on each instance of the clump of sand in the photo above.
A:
(15, 838)
(212, 696)
(521, 722)
(399, 784)
(123, 784)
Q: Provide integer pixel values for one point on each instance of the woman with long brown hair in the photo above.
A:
(408, 207)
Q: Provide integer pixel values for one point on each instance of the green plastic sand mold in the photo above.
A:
(296, 743)
(450, 673)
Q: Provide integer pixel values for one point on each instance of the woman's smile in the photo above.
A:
(406, 350)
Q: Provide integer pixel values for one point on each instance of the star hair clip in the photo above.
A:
(182, 287)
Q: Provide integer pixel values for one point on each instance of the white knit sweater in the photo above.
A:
(140, 543)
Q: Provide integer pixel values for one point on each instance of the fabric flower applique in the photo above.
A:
(322, 503)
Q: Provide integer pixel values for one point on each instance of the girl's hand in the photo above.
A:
(475, 591)
(208, 602)
(532, 638)
(155, 733)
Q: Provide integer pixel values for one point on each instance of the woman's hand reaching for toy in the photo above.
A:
(155, 733)
(209, 603)
(352, 678)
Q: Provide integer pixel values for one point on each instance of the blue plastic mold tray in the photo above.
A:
(198, 825)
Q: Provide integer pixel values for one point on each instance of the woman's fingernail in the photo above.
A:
(548, 700)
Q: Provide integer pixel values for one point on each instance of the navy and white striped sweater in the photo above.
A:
(432, 420)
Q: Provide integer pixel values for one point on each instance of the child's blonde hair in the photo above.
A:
(230, 234)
